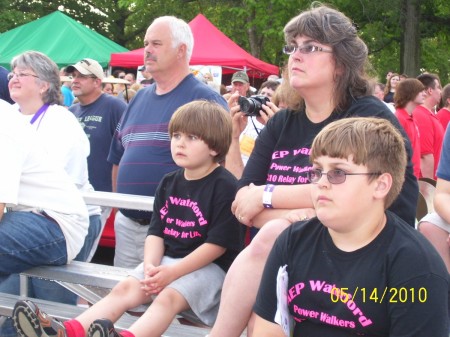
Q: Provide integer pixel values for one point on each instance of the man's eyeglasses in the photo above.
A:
(11, 75)
(82, 77)
(305, 49)
(335, 176)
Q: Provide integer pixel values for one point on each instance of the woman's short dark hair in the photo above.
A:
(331, 27)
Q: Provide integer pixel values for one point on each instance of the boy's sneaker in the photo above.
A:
(29, 321)
(103, 328)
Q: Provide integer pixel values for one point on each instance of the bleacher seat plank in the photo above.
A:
(119, 200)
(84, 273)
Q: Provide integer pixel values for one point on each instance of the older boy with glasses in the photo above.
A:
(355, 269)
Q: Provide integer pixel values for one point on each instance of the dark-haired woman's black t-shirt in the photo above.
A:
(281, 152)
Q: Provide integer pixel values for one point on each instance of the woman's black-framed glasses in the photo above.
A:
(290, 49)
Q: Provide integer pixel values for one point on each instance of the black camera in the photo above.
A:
(252, 105)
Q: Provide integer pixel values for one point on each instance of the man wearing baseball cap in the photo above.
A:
(245, 129)
(98, 114)
(87, 67)
(241, 83)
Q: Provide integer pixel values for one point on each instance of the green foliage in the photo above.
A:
(435, 56)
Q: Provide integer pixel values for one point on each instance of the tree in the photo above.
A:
(407, 36)
(410, 46)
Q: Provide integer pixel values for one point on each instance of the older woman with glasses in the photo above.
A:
(34, 85)
(326, 67)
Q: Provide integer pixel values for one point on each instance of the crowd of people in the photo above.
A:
(287, 210)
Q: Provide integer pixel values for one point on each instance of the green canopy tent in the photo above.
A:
(61, 38)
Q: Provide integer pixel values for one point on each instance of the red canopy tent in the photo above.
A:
(211, 47)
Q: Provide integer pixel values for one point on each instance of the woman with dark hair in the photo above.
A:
(327, 67)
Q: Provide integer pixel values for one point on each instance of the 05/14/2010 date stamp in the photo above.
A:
(375, 295)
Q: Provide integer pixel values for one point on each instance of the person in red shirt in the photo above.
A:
(430, 128)
(444, 114)
(409, 94)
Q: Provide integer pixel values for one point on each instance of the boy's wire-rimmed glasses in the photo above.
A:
(335, 176)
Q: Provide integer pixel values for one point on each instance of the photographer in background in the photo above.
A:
(249, 115)
(268, 89)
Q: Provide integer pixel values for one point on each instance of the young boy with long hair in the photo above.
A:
(192, 240)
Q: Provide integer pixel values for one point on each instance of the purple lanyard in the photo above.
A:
(41, 111)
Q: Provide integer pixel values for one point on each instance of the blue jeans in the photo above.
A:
(95, 227)
(45, 289)
(27, 240)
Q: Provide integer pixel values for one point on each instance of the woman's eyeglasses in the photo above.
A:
(305, 49)
(335, 176)
(11, 75)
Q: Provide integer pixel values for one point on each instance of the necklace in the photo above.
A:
(40, 112)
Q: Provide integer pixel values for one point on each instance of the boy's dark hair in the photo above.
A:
(207, 120)
(373, 142)
(406, 91)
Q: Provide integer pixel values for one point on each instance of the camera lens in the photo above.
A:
(245, 104)
(248, 106)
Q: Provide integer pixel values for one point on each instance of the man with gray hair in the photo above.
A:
(140, 150)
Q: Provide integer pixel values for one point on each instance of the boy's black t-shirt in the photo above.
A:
(397, 284)
(281, 152)
(188, 213)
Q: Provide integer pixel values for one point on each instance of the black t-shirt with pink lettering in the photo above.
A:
(281, 152)
(397, 285)
(188, 213)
